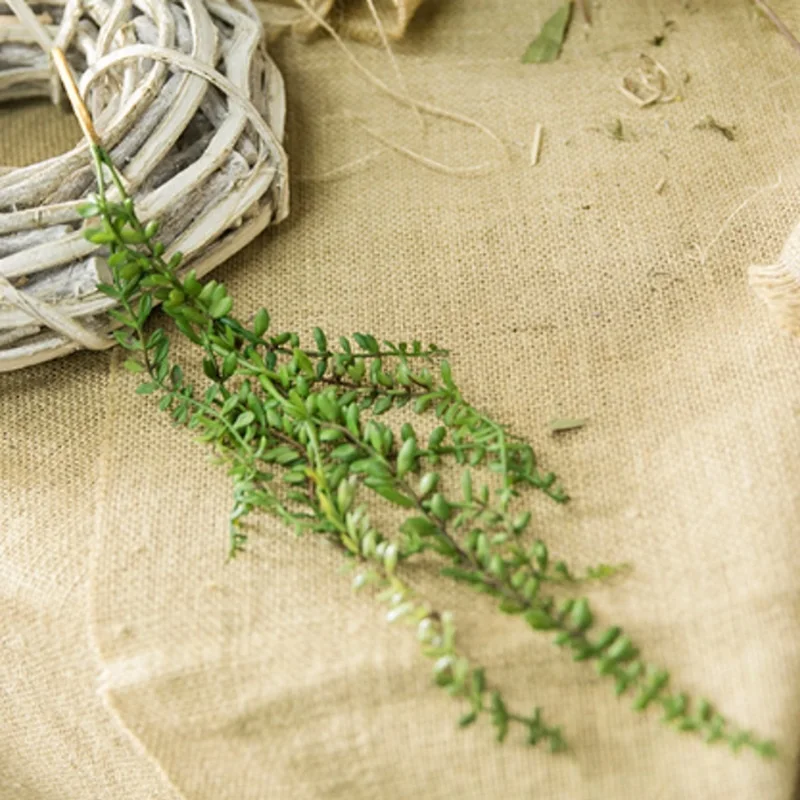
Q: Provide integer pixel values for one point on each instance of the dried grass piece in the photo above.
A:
(536, 144)
(566, 424)
(650, 82)
(708, 123)
(191, 108)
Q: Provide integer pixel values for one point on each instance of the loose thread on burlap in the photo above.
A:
(392, 59)
(419, 158)
(343, 170)
(778, 23)
(410, 102)
(703, 252)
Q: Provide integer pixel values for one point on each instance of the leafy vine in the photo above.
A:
(302, 431)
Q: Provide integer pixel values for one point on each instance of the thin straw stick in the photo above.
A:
(376, 18)
(778, 23)
(75, 99)
(536, 145)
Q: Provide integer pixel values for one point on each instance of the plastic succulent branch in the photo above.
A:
(300, 429)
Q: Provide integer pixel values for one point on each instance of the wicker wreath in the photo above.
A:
(191, 109)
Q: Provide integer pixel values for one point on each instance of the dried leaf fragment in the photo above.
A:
(649, 83)
(561, 425)
(708, 123)
(547, 45)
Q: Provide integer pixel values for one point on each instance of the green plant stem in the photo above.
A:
(311, 416)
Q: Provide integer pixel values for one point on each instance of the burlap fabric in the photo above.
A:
(570, 288)
(352, 18)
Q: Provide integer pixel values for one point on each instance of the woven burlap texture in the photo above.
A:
(572, 288)
(354, 19)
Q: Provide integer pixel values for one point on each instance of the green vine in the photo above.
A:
(300, 430)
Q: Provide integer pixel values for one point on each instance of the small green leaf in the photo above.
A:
(295, 477)
(191, 285)
(540, 554)
(621, 650)
(406, 458)
(766, 749)
(497, 566)
(303, 362)
(382, 405)
(581, 615)
(607, 637)
(88, 209)
(146, 388)
(466, 485)
(229, 365)
(219, 308)
(131, 236)
(531, 588)
(476, 456)
(508, 606)
(499, 716)
(478, 682)
(133, 366)
(328, 408)
(440, 507)
(547, 45)
(428, 483)
(467, 719)
(243, 420)
(393, 496)
(418, 526)
(261, 322)
(674, 707)
(540, 620)
(643, 699)
(99, 236)
(447, 375)
(210, 369)
(372, 467)
(521, 522)
(423, 403)
(366, 342)
(345, 452)
(462, 575)
(320, 340)
(437, 437)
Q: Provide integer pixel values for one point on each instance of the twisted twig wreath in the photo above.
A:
(186, 99)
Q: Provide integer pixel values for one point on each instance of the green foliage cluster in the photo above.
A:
(301, 427)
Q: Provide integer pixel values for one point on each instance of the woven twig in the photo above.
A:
(191, 108)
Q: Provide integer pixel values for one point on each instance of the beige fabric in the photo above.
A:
(570, 288)
(56, 739)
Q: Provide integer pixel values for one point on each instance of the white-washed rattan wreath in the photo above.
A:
(191, 108)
